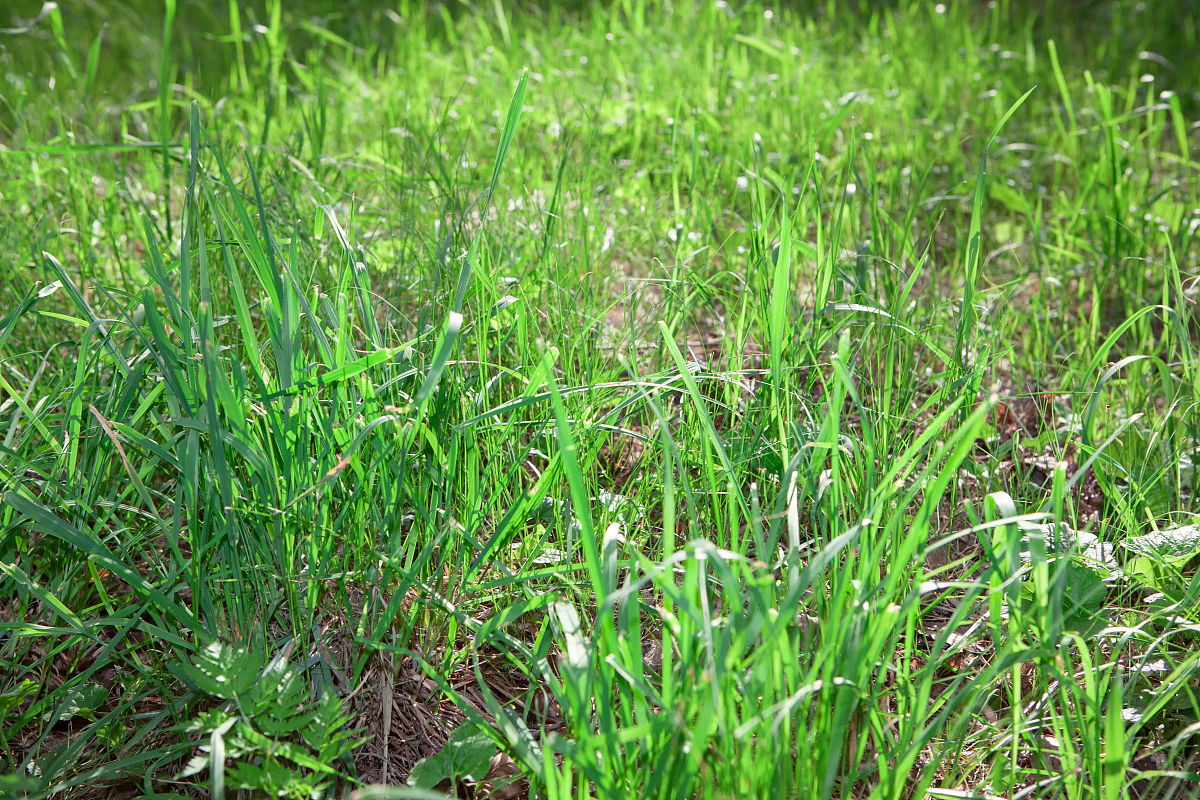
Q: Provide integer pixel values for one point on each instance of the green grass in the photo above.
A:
(683, 400)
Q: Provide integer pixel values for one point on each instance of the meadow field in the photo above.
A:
(579, 399)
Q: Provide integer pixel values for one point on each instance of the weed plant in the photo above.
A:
(664, 400)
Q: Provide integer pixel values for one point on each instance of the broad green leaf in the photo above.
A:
(466, 756)
(78, 701)
(16, 695)
(1171, 545)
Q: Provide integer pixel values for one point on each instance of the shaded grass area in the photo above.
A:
(618, 400)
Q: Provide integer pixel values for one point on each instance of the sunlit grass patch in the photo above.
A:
(636, 400)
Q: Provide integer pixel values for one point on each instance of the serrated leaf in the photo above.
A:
(547, 512)
(1085, 589)
(196, 764)
(51, 765)
(272, 778)
(549, 555)
(1062, 540)
(78, 701)
(328, 736)
(282, 725)
(1172, 545)
(624, 508)
(280, 701)
(466, 756)
(221, 670)
(1085, 593)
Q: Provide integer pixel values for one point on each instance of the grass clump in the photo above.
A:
(648, 400)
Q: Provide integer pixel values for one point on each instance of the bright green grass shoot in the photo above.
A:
(691, 399)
